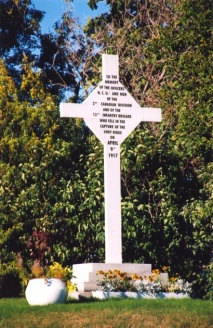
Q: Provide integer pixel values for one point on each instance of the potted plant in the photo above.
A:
(49, 284)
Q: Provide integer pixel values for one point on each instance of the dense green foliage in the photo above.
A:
(52, 169)
(13, 277)
(165, 53)
(43, 175)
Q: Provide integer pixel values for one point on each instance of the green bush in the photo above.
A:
(203, 285)
(209, 282)
(11, 281)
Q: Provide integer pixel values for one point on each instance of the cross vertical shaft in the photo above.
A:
(112, 114)
(112, 188)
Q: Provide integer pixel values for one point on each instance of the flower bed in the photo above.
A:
(119, 284)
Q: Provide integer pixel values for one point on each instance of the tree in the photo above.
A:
(165, 61)
(20, 36)
(62, 65)
(19, 32)
(45, 184)
(42, 174)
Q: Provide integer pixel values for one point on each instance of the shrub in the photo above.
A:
(11, 281)
(203, 285)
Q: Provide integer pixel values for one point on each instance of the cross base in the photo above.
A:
(86, 278)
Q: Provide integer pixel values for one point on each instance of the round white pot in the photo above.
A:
(43, 291)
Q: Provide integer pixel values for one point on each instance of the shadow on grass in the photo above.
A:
(82, 299)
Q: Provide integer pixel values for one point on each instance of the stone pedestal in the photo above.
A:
(86, 278)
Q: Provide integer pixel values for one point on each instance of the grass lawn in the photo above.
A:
(131, 313)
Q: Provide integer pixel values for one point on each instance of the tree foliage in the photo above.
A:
(165, 61)
(43, 175)
(19, 32)
(20, 35)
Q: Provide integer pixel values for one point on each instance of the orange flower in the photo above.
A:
(111, 276)
(173, 279)
(121, 275)
(100, 272)
(156, 271)
(165, 268)
(135, 276)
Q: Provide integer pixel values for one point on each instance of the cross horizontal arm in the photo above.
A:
(143, 114)
(148, 114)
(77, 110)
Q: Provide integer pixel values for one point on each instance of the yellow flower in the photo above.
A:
(71, 287)
(57, 271)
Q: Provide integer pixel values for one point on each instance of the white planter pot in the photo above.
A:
(105, 295)
(43, 291)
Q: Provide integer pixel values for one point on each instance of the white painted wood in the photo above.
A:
(161, 295)
(112, 114)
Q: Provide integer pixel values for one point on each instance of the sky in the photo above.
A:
(55, 8)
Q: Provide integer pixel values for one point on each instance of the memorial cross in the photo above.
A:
(112, 114)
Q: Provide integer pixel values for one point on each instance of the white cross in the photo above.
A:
(112, 114)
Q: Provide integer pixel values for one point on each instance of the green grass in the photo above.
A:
(171, 313)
